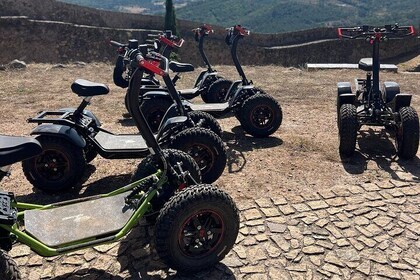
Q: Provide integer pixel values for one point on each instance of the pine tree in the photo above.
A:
(170, 18)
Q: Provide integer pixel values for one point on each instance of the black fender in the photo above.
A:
(63, 131)
(154, 94)
(170, 123)
(85, 112)
(119, 70)
(170, 113)
(343, 88)
(199, 78)
(401, 100)
(346, 98)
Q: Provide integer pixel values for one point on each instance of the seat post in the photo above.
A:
(376, 66)
(82, 106)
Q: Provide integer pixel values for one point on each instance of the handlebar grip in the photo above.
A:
(117, 44)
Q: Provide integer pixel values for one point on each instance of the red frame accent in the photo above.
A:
(340, 33)
(241, 30)
(412, 30)
(152, 66)
(207, 28)
(171, 43)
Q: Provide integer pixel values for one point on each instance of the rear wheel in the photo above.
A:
(9, 270)
(407, 136)
(260, 115)
(58, 168)
(196, 228)
(154, 109)
(348, 127)
(217, 92)
(152, 163)
(205, 120)
(206, 148)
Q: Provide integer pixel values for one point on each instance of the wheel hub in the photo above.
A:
(201, 233)
(262, 116)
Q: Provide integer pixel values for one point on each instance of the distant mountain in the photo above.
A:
(272, 16)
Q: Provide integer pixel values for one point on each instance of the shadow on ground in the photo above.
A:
(138, 260)
(101, 186)
(378, 146)
(237, 142)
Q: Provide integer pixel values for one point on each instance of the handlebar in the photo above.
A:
(117, 44)
(378, 33)
(173, 41)
(238, 29)
(149, 63)
(203, 30)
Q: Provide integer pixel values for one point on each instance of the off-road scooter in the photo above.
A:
(195, 229)
(259, 114)
(123, 71)
(370, 105)
(71, 139)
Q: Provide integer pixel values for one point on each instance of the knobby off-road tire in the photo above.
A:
(152, 163)
(206, 120)
(245, 95)
(9, 270)
(260, 115)
(196, 228)
(348, 127)
(154, 109)
(217, 91)
(407, 136)
(206, 148)
(127, 103)
(58, 168)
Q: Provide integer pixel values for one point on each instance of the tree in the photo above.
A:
(170, 18)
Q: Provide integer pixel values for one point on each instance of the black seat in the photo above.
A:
(14, 149)
(180, 67)
(88, 88)
(365, 64)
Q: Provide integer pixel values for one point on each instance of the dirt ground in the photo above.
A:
(301, 156)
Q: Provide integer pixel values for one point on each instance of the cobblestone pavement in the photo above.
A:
(368, 231)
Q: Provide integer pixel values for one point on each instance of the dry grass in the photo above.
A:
(301, 156)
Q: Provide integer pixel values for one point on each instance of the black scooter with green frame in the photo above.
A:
(195, 229)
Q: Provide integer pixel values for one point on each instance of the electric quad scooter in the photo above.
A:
(156, 115)
(168, 42)
(195, 229)
(372, 105)
(71, 139)
(259, 113)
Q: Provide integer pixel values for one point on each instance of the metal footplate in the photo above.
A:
(210, 107)
(8, 215)
(79, 221)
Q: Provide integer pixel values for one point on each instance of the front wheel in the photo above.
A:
(206, 148)
(407, 136)
(152, 163)
(205, 120)
(217, 92)
(154, 110)
(9, 270)
(58, 168)
(347, 129)
(260, 115)
(196, 228)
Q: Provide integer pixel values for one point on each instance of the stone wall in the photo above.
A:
(55, 32)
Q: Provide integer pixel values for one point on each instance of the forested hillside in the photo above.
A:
(272, 16)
